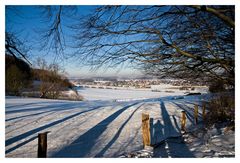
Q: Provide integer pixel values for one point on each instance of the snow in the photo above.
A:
(107, 127)
(121, 94)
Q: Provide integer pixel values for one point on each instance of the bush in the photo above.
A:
(217, 86)
(72, 96)
(221, 109)
(35, 94)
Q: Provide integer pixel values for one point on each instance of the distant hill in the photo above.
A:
(20, 77)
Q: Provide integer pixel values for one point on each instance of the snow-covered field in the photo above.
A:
(122, 95)
(95, 128)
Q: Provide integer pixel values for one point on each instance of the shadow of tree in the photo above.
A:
(89, 139)
(188, 110)
(19, 145)
(28, 115)
(57, 106)
(36, 130)
(166, 133)
(100, 154)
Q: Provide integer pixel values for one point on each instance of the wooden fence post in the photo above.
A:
(42, 145)
(196, 113)
(146, 129)
(183, 121)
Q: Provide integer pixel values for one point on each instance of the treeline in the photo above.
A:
(44, 82)
(18, 75)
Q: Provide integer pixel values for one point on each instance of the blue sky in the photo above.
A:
(26, 23)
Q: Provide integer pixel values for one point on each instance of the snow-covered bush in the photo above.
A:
(70, 95)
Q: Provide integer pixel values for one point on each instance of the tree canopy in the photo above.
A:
(189, 42)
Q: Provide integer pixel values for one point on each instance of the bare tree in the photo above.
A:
(52, 37)
(191, 42)
(15, 47)
(51, 79)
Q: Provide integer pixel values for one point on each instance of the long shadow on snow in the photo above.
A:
(31, 132)
(176, 123)
(31, 139)
(29, 115)
(63, 105)
(84, 144)
(101, 153)
(169, 132)
(49, 107)
(188, 110)
(21, 144)
(198, 103)
(26, 104)
(168, 128)
(123, 149)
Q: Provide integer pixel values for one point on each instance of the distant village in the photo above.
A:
(152, 84)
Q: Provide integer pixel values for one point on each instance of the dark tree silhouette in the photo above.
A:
(190, 42)
(14, 47)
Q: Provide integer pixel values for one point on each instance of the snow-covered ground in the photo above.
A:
(122, 95)
(95, 128)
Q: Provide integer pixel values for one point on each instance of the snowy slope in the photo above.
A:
(94, 128)
(89, 128)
